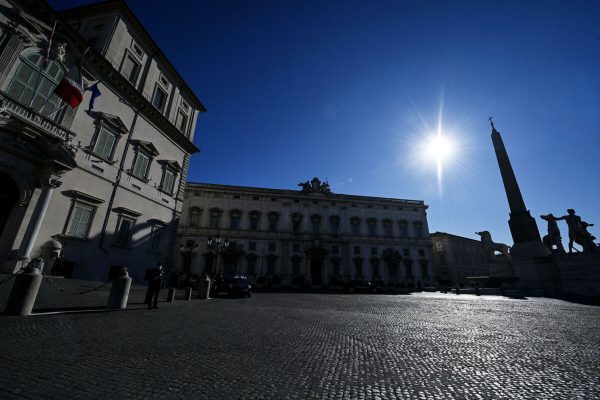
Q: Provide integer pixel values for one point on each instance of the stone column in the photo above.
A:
(37, 218)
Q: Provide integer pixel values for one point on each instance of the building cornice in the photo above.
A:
(296, 194)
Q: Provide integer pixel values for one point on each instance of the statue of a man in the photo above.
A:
(553, 237)
(577, 228)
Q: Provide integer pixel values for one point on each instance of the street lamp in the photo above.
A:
(219, 245)
(188, 252)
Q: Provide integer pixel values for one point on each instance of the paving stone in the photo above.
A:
(301, 346)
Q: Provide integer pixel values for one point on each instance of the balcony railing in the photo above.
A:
(34, 118)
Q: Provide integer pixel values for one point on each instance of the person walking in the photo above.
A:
(155, 283)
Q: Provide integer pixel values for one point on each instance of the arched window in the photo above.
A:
(28, 83)
(254, 220)
(316, 223)
(372, 224)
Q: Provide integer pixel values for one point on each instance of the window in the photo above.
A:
(403, 229)
(316, 223)
(418, 229)
(130, 69)
(124, 230)
(272, 246)
(355, 224)
(373, 251)
(296, 222)
(252, 246)
(296, 248)
(80, 220)
(159, 99)
(357, 250)
(215, 218)
(28, 83)
(141, 165)
(105, 144)
(335, 224)
(181, 121)
(387, 228)
(421, 253)
(405, 252)
(254, 219)
(273, 221)
(195, 216)
(235, 218)
(156, 237)
(335, 249)
(167, 183)
(372, 223)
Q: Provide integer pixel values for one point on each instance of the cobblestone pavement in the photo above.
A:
(309, 346)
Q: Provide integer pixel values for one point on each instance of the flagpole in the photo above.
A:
(80, 72)
(44, 65)
(57, 110)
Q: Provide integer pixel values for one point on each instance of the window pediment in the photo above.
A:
(127, 211)
(174, 165)
(76, 194)
(147, 146)
(112, 121)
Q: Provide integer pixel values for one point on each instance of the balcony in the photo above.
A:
(31, 117)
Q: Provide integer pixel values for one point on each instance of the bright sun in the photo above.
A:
(439, 148)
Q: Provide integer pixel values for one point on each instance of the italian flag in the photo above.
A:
(70, 88)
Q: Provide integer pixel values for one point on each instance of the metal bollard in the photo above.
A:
(205, 289)
(171, 295)
(188, 293)
(119, 292)
(25, 289)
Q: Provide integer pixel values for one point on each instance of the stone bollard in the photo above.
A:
(119, 292)
(205, 288)
(171, 295)
(25, 289)
(188, 293)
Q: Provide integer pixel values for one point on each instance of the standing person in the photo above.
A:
(155, 283)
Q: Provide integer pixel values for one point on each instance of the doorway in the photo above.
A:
(316, 270)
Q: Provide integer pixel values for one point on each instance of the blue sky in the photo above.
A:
(347, 89)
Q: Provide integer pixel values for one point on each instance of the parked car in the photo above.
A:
(238, 286)
(360, 286)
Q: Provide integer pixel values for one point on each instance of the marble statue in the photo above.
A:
(578, 232)
(490, 247)
(553, 237)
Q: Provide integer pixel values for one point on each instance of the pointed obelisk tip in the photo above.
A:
(492, 123)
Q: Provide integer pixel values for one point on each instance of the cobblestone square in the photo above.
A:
(309, 346)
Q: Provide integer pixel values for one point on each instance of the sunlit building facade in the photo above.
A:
(106, 183)
(304, 237)
(456, 258)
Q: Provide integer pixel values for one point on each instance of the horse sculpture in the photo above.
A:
(491, 248)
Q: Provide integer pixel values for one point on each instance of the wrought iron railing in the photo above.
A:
(13, 107)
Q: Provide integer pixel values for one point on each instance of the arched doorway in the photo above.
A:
(9, 196)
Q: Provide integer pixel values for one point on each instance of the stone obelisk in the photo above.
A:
(523, 227)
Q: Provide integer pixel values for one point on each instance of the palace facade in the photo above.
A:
(104, 183)
(456, 258)
(303, 237)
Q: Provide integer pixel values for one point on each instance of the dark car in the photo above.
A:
(359, 286)
(238, 286)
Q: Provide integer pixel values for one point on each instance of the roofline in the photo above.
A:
(441, 234)
(297, 193)
(121, 5)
